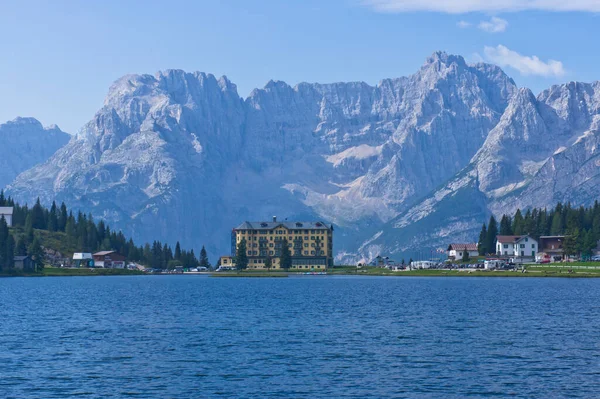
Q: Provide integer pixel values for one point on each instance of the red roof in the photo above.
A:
(463, 247)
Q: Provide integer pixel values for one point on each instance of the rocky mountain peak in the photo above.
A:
(27, 143)
(183, 149)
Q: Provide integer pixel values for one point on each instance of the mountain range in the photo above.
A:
(26, 143)
(402, 167)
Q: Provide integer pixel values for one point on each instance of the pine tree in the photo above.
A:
(29, 229)
(570, 243)
(37, 216)
(589, 243)
(268, 263)
(241, 257)
(492, 233)
(36, 253)
(21, 248)
(505, 226)
(52, 222)
(517, 226)
(557, 224)
(204, 258)
(62, 217)
(482, 243)
(177, 251)
(285, 260)
(9, 250)
(4, 234)
(70, 231)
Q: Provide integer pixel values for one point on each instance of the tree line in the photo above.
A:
(82, 232)
(579, 225)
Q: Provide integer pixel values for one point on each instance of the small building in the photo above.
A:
(422, 264)
(519, 246)
(382, 261)
(83, 259)
(551, 248)
(7, 213)
(227, 262)
(456, 251)
(24, 263)
(109, 260)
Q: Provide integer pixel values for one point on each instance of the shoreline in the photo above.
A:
(541, 272)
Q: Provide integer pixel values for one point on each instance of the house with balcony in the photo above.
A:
(516, 246)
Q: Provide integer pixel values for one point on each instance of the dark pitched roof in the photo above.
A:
(20, 258)
(286, 224)
(462, 247)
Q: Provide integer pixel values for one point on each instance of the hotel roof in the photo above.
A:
(286, 224)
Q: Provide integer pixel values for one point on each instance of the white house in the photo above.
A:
(521, 246)
(455, 251)
(7, 212)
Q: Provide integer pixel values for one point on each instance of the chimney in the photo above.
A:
(274, 219)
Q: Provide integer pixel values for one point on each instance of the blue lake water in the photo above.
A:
(301, 337)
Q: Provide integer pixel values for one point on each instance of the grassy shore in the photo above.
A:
(565, 270)
(64, 272)
(531, 271)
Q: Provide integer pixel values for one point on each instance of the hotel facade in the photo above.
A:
(310, 244)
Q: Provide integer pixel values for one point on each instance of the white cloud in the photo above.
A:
(464, 6)
(475, 58)
(463, 24)
(503, 56)
(494, 25)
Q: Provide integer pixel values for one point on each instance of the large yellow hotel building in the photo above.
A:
(310, 243)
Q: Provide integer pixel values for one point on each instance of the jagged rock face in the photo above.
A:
(370, 151)
(26, 143)
(543, 150)
(180, 156)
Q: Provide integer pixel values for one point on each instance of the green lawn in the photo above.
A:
(57, 271)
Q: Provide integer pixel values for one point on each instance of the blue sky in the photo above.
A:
(59, 58)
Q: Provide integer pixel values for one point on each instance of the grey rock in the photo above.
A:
(26, 143)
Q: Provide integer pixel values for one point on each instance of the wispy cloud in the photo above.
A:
(494, 25)
(527, 65)
(463, 24)
(465, 6)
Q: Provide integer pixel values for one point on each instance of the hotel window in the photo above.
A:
(526, 239)
(312, 252)
(270, 252)
(505, 245)
(522, 246)
(532, 245)
(306, 245)
(305, 252)
(306, 238)
(271, 245)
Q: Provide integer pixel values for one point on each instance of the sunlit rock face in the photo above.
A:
(409, 163)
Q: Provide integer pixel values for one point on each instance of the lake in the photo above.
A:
(299, 337)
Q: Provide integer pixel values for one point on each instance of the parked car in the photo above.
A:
(596, 258)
